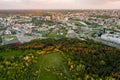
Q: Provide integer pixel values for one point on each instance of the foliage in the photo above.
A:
(0, 40)
(37, 22)
(59, 59)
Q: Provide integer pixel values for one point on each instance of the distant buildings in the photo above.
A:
(15, 41)
(7, 32)
(115, 38)
(61, 24)
(72, 34)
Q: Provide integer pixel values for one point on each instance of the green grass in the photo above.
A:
(66, 59)
(11, 53)
(49, 65)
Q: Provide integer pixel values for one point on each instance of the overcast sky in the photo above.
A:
(59, 4)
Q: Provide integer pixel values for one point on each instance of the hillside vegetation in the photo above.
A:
(62, 59)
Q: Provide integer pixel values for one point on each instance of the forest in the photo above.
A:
(59, 59)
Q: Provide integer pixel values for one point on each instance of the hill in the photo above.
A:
(62, 59)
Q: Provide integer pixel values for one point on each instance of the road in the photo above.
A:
(24, 38)
(99, 39)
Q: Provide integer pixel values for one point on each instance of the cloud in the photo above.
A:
(37, 4)
(59, 4)
(99, 2)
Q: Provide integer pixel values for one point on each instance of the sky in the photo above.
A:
(59, 4)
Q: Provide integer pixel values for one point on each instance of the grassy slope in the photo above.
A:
(53, 66)
(48, 66)
(52, 61)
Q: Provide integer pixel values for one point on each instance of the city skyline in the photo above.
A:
(60, 4)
